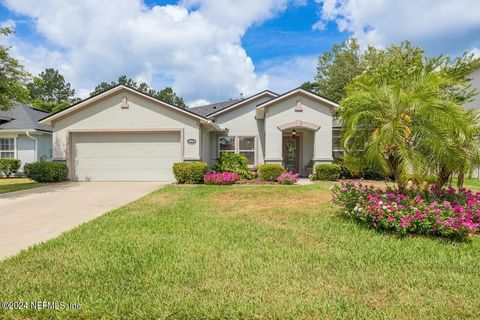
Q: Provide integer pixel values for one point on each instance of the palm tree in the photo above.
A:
(401, 126)
(467, 150)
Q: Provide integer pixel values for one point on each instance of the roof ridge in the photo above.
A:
(214, 103)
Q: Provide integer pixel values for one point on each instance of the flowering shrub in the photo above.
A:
(288, 178)
(220, 178)
(450, 213)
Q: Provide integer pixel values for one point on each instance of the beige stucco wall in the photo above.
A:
(307, 148)
(142, 114)
(205, 147)
(313, 112)
(241, 121)
(475, 76)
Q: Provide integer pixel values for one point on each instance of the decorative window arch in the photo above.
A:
(299, 124)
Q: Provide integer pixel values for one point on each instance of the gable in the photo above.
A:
(298, 96)
(115, 91)
(299, 106)
(241, 119)
(125, 110)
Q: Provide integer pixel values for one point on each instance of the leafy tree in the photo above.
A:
(166, 95)
(310, 86)
(50, 92)
(404, 117)
(13, 77)
(337, 68)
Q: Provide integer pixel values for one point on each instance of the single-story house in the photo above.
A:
(22, 136)
(124, 135)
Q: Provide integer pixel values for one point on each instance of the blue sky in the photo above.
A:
(211, 50)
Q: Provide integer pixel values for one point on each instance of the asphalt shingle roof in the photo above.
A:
(211, 108)
(23, 117)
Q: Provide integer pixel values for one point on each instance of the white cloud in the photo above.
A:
(194, 46)
(287, 74)
(441, 26)
(198, 102)
(475, 51)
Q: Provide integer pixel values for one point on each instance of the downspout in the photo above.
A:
(35, 143)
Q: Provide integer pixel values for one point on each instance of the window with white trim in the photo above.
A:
(337, 143)
(226, 144)
(244, 145)
(7, 148)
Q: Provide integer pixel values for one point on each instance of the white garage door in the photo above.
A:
(125, 156)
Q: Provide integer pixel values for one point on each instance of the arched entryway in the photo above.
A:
(298, 146)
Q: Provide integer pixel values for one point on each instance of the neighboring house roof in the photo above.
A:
(86, 102)
(23, 117)
(290, 93)
(214, 107)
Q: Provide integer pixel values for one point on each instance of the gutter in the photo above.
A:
(35, 143)
(214, 125)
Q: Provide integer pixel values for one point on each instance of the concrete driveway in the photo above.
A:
(31, 216)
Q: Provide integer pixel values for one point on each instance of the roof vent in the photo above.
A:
(299, 106)
(124, 103)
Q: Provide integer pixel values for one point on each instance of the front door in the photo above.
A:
(291, 152)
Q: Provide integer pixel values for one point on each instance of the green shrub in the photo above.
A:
(189, 172)
(329, 172)
(43, 171)
(369, 173)
(9, 166)
(344, 171)
(270, 172)
(231, 162)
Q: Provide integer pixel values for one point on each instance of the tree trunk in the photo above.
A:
(442, 179)
(401, 185)
(460, 179)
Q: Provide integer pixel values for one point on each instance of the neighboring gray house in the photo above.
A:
(124, 135)
(475, 104)
(22, 136)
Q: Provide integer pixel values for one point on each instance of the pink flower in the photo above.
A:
(418, 199)
(292, 178)
(220, 178)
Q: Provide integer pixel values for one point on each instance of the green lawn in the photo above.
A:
(17, 184)
(473, 184)
(242, 252)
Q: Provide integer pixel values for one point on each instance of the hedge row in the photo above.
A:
(43, 171)
(190, 172)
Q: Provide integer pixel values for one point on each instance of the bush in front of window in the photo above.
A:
(9, 166)
(189, 172)
(270, 172)
(328, 172)
(44, 171)
(231, 162)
